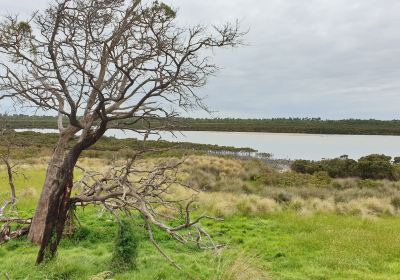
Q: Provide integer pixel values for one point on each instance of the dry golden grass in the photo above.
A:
(228, 204)
(367, 207)
(227, 187)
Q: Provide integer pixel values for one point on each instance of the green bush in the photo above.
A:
(395, 202)
(369, 183)
(369, 167)
(375, 167)
(80, 234)
(336, 168)
(340, 167)
(306, 166)
(293, 179)
(125, 247)
(396, 172)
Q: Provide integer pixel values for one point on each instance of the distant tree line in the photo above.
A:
(276, 125)
(369, 167)
(33, 144)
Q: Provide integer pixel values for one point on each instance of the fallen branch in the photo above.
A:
(15, 220)
(131, 187)
(6, 234)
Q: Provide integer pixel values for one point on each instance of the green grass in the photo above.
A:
(284, 245)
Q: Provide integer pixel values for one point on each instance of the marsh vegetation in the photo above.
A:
(273, 225)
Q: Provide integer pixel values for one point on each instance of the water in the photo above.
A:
(281, 145)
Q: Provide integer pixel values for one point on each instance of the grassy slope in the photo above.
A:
(283, 245)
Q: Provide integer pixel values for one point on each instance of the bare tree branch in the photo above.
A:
(96, 61)
(130, 187)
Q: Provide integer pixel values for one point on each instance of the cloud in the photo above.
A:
(332, 59)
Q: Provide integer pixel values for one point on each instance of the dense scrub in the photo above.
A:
(233, 187)
(368, 167)
(292, 125)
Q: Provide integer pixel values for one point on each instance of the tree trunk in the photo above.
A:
(56, 206)
(52, 210)
(50, 195)
(54, 203)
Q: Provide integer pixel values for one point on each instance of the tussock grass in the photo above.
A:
(232, 187)
(228, 204)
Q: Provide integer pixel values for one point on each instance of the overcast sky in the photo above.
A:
(316, 58)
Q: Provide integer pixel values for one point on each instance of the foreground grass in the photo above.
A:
(259, 245)
(278, 246)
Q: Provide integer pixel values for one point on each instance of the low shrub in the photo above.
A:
(369, 167)
(395, 202)
(125, 247)
(336, 168)
(375, 167)
(293, 179)
(368, 183)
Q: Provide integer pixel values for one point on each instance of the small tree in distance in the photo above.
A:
(95, 62)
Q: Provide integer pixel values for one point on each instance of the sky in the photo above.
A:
(332, 59)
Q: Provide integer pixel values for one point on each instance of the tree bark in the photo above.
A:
(50, 196)
(54, 203)
(57, 207)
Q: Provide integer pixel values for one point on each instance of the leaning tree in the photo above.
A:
(96, 62)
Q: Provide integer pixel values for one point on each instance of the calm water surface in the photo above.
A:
(281, 145)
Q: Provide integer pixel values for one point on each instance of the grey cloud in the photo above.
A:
(332, 59)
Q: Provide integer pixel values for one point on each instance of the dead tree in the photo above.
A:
(95, 62)
(129, 187)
